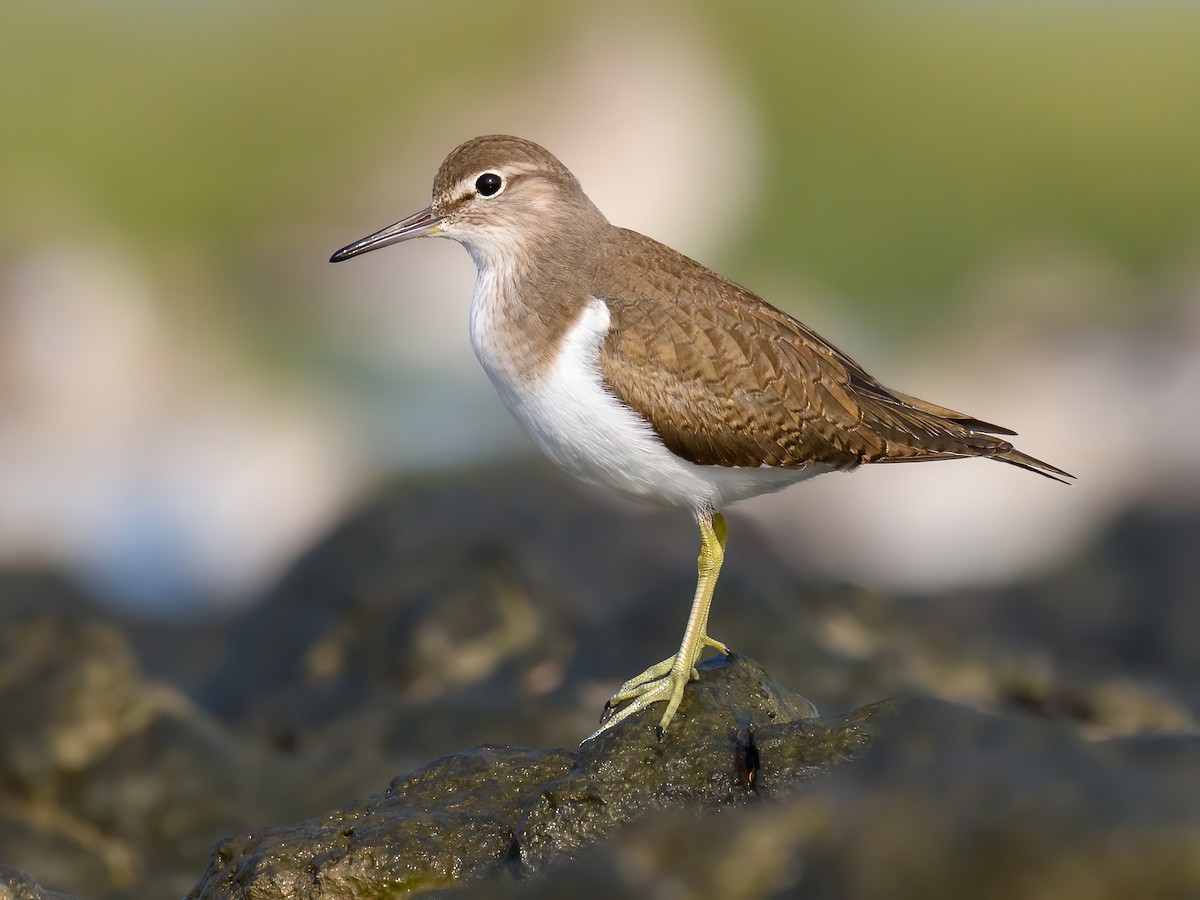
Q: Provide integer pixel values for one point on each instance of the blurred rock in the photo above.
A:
(488, 608)
(502, 607)
(111, 784)
(16, 885)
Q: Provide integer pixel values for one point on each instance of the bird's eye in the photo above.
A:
(488, 184)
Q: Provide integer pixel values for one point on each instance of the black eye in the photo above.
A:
(488, 184)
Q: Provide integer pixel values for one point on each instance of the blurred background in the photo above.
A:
(993, 205)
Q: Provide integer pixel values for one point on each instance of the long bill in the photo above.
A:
(420, 224)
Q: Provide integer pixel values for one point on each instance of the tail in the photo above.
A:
(937, 432)
(1015, 457)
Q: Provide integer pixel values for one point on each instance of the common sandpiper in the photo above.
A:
(635, 368)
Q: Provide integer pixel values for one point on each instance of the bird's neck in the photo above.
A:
(524, 303)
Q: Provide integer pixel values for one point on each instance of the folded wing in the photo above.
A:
(726, 379)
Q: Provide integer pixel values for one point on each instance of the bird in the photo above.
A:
(638, 369)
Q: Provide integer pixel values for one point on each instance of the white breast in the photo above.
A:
(577, 422)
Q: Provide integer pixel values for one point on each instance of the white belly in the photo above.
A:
(584, 428)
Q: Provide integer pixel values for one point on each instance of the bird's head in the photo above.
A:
(498, 196)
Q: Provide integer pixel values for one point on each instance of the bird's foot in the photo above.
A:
(635, 686)
(663, 681)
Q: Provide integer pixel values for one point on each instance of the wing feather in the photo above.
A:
(726, 379)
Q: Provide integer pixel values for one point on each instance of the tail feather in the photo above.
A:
(920, 431)
(1015, 457)
(942, 412)
(1002, 452)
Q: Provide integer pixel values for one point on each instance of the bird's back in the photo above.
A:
(726, 379)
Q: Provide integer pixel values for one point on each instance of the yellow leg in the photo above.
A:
(667, 679)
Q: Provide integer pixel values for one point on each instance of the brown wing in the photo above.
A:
(726, 379)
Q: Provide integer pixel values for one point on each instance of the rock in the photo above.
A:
(503, 607)
(487, 608)
(108, 779)
(947, 803)
(491, 809)
(16, 885)
(440, 826)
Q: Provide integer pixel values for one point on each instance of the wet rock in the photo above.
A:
(947, 803)
(492, 809)
(444, 824)
(738, 735)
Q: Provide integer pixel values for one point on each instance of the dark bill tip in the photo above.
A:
(424, 223)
